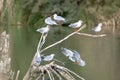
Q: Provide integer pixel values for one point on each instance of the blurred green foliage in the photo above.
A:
(33, 12)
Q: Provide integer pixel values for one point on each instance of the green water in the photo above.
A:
(101, 54)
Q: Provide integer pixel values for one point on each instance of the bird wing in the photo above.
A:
(73, 24)
(67, 52)
(50, 21)
(76, 54)
(59, 18)
(72, 59)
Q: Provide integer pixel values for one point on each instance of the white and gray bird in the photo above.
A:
(73, 55)
(68, 53)
(38, 58)
(48, 57)
(50, 21)
(58, 18)
(44, 29)
(78, 59)
(76, 24)
(98, 28)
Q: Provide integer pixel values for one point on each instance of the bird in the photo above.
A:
(44, 29)
(38, 58)
(98, 28)
(48, 57)
(68, 53)
(76, 24)
(58, 18)
(50, 21)
(74, 56)
(78, 59)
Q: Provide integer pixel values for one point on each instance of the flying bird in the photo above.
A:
(68, 53)
(73, 55)
(98, 28)
(78, 58)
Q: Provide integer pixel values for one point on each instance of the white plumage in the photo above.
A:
(43, 29)
(98, 28)
(38, 57)
(58, 18)
(48, 57)
(73, 55)
(76, 24)
(49, 21)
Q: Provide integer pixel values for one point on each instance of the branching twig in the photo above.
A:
(74, 73)
(71, 72)
(60, 78)
(90, 35)
(58, 42)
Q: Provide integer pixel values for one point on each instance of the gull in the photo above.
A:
(44, 29)
(78, 58)
(48, 57)
(98, 28)
(76, 24)
(49, 21)
(74, 56)
(68, 53)
(38, 58)
(58, 18)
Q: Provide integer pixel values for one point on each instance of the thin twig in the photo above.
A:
(60, 78)
(58, 42)
(49, 74)
(38, 77)
(63, 63)
(18, 73)
(74, 73)
(39, 44)
(90, 35)
(70, 72)
(64, 74)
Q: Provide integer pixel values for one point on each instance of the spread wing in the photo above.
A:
(67, 52)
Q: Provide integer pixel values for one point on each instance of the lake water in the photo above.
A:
(101, 54)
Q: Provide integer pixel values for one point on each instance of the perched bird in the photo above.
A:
(38, 58)
(98, 28)
(44, 29)
(73, 55)
(58, 18)
(76, 24)
(50, 21)
(48, 57)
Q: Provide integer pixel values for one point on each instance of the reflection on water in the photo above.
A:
(101, 54)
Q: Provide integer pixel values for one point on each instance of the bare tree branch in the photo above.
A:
(60, 41)
(90, 35)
